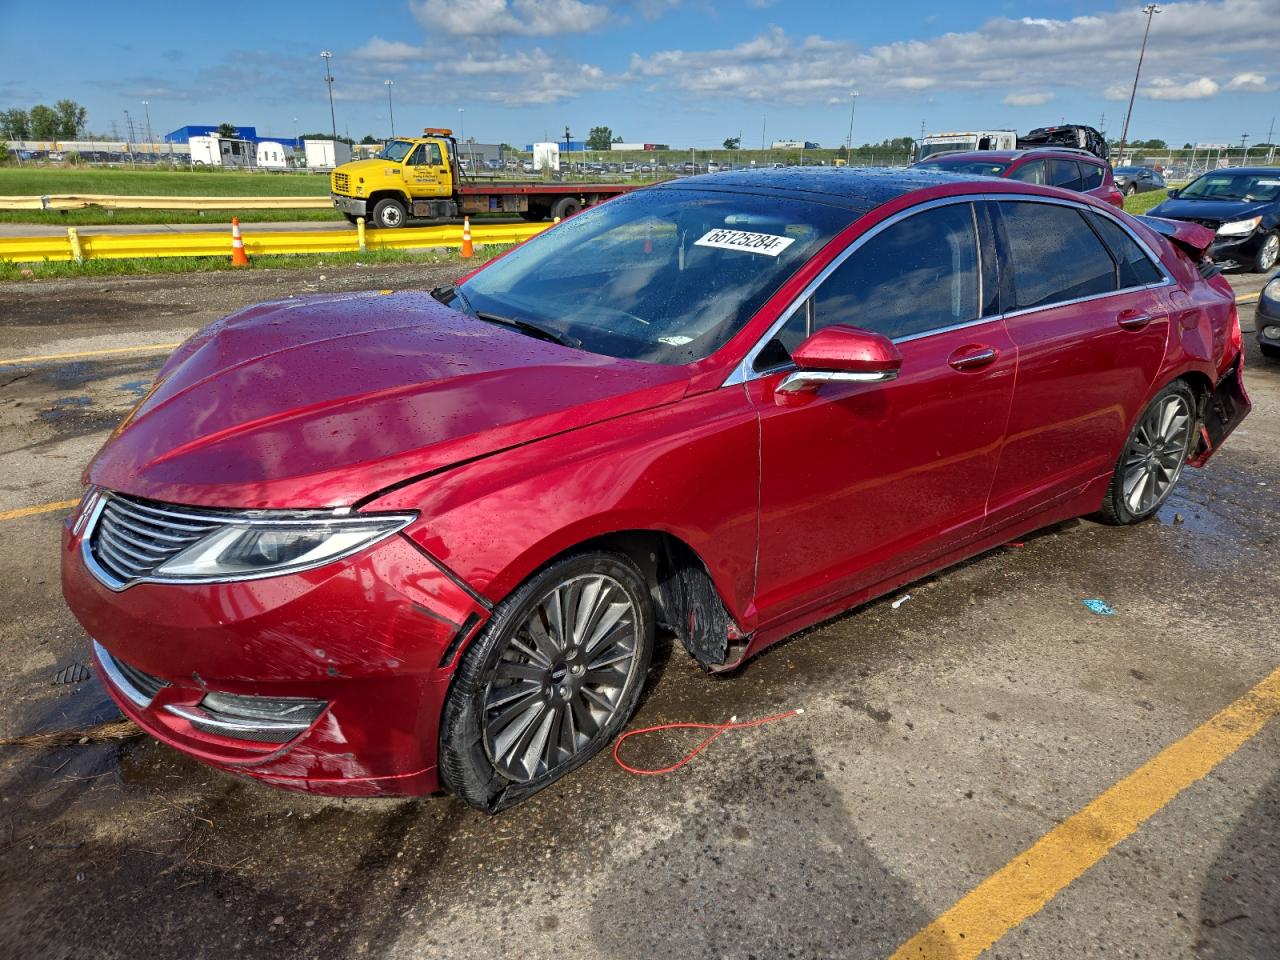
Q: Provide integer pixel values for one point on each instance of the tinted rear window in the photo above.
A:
(1053, 254)
(1091, 176)
(1136, 268)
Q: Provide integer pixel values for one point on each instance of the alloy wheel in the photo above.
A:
(1270, 253)
(1156, 454)
(561, 677)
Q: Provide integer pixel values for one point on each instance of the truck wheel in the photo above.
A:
(565, 207)
(389, 214)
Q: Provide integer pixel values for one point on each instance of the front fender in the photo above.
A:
(689, 469)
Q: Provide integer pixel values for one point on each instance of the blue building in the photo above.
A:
(184, 134)
(570, 146)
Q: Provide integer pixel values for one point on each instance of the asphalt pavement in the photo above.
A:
(946, 730)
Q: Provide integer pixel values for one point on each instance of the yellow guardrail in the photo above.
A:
(76, 246)
(76, 201)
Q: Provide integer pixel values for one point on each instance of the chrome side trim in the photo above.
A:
(802, 379)
(118, 680)
(745, 372)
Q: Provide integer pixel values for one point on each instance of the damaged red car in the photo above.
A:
(371, 544)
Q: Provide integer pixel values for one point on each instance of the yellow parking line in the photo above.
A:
(1030, 880)
(42, 508)
(1247, 297)
(147, 348)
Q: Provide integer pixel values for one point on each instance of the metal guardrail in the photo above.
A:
(78, 201)
(73, 246)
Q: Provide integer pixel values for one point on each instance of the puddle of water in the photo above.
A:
(136, 387)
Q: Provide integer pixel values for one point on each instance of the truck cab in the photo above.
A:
(965, 140)
(411, 175)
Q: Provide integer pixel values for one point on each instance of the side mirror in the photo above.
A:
(1173, 193)
(843, 354)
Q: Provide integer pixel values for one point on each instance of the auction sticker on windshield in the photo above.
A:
(745, 242)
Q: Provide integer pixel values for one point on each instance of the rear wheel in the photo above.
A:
(1133, 188)
(549, 682)
(1268, 253)
(389, 214)
(1153, 456)
(565, 207)
(1269, 350)
(533, 215)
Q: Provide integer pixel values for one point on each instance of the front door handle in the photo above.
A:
(972, 357)
(1133, 319)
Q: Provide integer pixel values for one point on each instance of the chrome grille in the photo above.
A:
(133, 537)
(341, 183)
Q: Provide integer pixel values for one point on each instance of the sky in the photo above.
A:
(685, 72)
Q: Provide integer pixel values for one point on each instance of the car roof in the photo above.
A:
(859, 189)
(1251, 171)
(1008, 156)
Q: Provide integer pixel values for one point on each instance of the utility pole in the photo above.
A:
(1244, 150)
(391, 112)
(129, 122)
(1271, 144)
(764, 124)
(147, 107)
(1150, 10)
(848, 144)
(327, 55)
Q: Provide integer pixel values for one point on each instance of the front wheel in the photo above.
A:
(1133, 188)
(550, 680)
(1268, 253)
(1153, 456)
(389, 214)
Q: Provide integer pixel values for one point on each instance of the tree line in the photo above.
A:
(63, 121)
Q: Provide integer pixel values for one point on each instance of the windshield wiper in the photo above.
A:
(532, 329)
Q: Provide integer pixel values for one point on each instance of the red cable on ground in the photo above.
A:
(719, 728)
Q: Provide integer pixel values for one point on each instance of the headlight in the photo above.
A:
(1271, 293)
(1239, 228)
(267, 548)
(129, 540)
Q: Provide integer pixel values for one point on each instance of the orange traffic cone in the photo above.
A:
(467, 249)
(238, 258)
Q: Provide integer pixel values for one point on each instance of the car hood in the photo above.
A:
(1216, 211)
(324, 401)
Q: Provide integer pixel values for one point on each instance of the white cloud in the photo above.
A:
(1229, 43)
(1028, 99)
(1251, 82)
(1162, 88)
(521, 18)
(378, 49)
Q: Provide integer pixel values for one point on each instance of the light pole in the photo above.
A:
(853, 95)
(146, 106)
(327, 55)
(462, 124)
(1150, 10)
(295, 134)
(1244, 150)
(389, 84)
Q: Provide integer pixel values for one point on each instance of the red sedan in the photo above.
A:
(1067, 168)
(367, 544)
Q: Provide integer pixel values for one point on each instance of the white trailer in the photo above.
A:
(214, 151)
(326, 154)
(546, 156)
(274, 156)
(963, 140)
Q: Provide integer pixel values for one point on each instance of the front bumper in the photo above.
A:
(1234, 252)
(373, 638)
(1266, 320)
(350, 205)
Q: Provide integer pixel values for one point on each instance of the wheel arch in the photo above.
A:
(687, 600)
(385, 194)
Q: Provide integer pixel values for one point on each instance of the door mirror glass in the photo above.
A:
(1173, 193)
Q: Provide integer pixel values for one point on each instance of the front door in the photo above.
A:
(862, 481)
(425, 172)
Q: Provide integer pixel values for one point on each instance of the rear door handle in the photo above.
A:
(972, 357)
(1133, 319)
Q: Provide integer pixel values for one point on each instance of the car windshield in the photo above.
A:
(1234, 186)
(973, 168)
(662, 275)
(396, 150)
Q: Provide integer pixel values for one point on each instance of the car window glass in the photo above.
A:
(919, 274)
(431, 154)
(1033, 172)
(1136, 268)
(1053, 255)
(1064, 174)
(1091, 176)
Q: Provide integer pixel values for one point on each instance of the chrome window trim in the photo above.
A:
(745, 372)
(118, 679)
(235, 518)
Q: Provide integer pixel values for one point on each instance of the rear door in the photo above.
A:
(860, 480)
(1091, 327)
